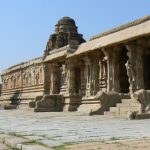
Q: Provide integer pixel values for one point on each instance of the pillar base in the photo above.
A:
(72, 102)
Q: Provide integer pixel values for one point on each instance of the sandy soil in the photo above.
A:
(138, 144)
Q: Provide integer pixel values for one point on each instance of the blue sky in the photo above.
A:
(25, 25)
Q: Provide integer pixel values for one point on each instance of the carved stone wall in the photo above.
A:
(27, 80)
(31, 76)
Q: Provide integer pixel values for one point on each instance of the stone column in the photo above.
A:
(108, 57)
(95, 74)
(63, 78)
(53, 79)
(83, 79)
(88, 73)
(115, 68)
(102, 72)
(131, 67)
(70, 78)
(139, 65)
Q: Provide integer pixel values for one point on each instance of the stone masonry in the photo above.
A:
(116, 63)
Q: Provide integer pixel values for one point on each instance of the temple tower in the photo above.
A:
(65, 33)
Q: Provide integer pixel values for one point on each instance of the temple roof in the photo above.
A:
(130, 24)
(66, 21)
(65, 32)
(130, 31)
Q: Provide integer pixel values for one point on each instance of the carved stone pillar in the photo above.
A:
(131, 67)
(95, 74)
(102, 73)
(83, 79)
(54, 79)
(70, 78)
(108, 56)
(88, 73)
(63, 78)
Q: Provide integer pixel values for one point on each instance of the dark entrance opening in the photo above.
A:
(146, 60)
(77, 80)
(124, 83)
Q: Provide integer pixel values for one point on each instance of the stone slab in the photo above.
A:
(57, 128)
(34, 147)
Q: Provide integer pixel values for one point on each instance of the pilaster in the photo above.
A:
(53, 81)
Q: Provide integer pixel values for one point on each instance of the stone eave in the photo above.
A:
(55, 56)
(22, 65)
(59, 53)
(114, 38)
(124, 26)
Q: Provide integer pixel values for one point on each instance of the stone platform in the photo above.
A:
(56, 128)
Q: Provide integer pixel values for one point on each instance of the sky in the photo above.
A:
(25, 25)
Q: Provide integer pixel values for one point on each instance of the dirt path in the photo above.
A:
(139, 144)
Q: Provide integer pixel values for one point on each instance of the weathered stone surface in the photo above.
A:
(34, 147)
(100, 103)
(3, 147)
(7, 106)
(49, 103)
(56, 128)
(143, 97)
(32, 104)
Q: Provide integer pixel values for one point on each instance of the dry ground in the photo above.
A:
(138, 144)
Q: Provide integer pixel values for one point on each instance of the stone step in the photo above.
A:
(121, 109)
(128, 101)
(124, 108)
(108, 113)
(128, 109)
(123, 114)
(91, 102)
(112, 109)
(125, 96)
(127, 104)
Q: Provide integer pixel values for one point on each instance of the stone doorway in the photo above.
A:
(146, 60)
(77, 80)
(124, 83)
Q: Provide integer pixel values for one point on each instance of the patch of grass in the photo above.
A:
(10, 148)
(32, 142)
(115, 138)
(15, 134)
(15, 149)
(63, 146)
(1, 132)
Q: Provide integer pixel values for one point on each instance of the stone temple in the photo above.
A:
(109, 74)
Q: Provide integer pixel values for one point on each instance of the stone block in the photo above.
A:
(50, 103)
(34, 147)
(9, 106)
(107, 100)
(143, 97)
